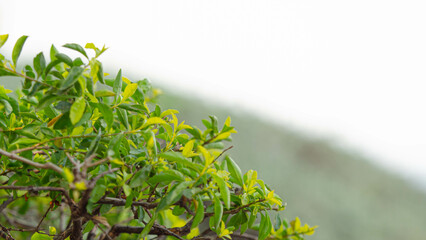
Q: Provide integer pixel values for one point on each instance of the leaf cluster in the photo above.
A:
(96, 151)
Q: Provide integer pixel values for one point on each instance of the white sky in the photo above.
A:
(352, 70)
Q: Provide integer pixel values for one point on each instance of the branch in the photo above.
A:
(42, 219)
(221, 154)
(29, 162)
(29, 78)
(122, 202)
(6, 233)
(36, 189)
(155, 230)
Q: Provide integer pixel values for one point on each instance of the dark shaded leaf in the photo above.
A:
(173, 196)
(72, 77)
(107, 113)
(140, 176)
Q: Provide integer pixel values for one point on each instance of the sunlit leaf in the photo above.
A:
(18, 48)
(3, 39)
(76, 47)
(77, 110)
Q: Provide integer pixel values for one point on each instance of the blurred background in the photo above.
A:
(328, 96)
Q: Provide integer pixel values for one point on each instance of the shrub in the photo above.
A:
(87, 156)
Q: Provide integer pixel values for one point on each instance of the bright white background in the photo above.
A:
(354, 71)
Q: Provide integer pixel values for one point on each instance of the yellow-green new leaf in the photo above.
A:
(3, 39)
(187, 150)
(169, 112)
(69, 176)
(129, 91)
(151, 121)
(77, 110)
(104, 93)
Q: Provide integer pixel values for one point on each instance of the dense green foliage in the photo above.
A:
(325, 183)
(87, 156)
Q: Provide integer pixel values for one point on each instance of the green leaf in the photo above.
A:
(265, 226)
(39, 63)
(4, 92)
(49, 99)
(117, 84)
(39, 236)
(76, 47)
(167, 177)
(148, 226)
(235, 171)
(179, 158)
(173, 196)
(218, 212)
(63, 122)
(224, 190)
(53, 52)
(107, 113)
(104, 93)
(24, 141)
(94, 145)
(114, 144)
(18, 48)
(129, 91)
(64, 58)
(98, 192)
(140, 176)
(72, 77)
(4, 72)
(199, 214)
(122, 116)
(50, 66)
(3, 39)
(77, 110)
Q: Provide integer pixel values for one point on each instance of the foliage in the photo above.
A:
(88, 156)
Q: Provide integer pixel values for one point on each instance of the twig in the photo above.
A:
(42, 219)
(98, 162)
(155, 230)
(29, 78)
(5, 203)
(35, 146)
(72, 160)
(221, 154)
(6, 232)
(47, 165)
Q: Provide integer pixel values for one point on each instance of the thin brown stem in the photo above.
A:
(29, 78)
(42, 219)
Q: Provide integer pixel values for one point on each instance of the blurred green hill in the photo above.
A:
(337, 189)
